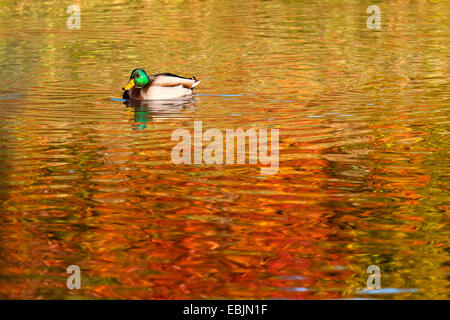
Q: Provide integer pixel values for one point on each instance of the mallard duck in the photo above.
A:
(158, 87)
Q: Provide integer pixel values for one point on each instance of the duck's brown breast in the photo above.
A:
(134, 93)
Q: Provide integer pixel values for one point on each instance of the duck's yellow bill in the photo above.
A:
(129, 85)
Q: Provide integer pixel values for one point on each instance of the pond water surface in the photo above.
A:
(87, 180)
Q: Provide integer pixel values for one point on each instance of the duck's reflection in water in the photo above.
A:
(150, 110)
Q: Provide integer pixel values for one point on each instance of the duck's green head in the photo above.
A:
(138, 78)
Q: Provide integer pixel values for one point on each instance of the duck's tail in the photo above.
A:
(196, 83)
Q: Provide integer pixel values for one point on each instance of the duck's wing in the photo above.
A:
(172, 80)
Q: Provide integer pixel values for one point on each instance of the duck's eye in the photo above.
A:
(138, 76)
